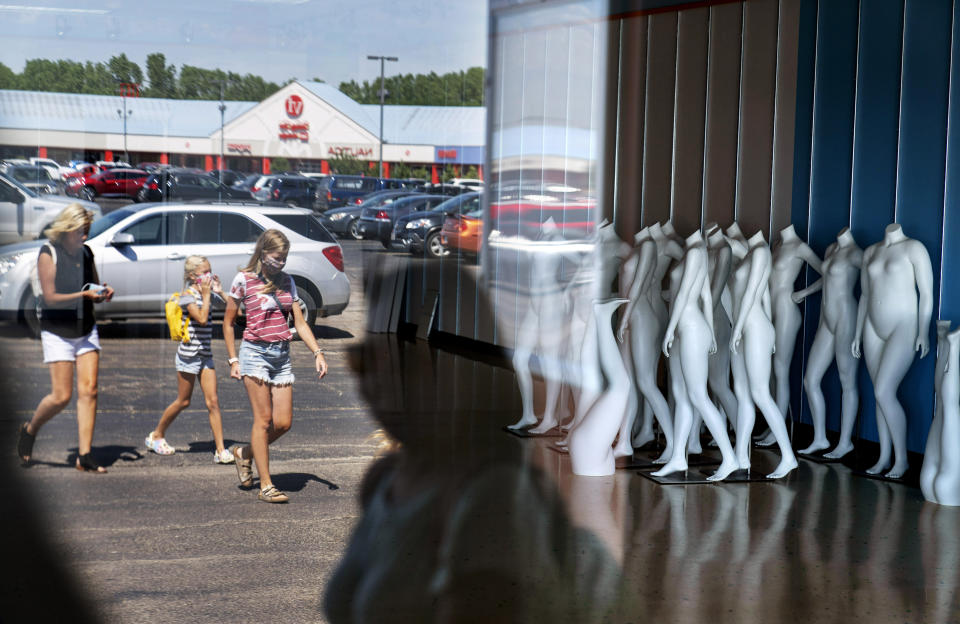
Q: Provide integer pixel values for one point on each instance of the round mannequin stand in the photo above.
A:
(893, 320)
(838, 321)
(689, 340)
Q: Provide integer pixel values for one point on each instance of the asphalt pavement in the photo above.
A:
(175, 538)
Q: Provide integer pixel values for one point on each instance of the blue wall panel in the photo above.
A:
(920, 171)
(874, 183)
(950, 262)
(832, 147)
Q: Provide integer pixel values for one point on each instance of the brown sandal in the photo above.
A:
(244, 467)
(271, 494)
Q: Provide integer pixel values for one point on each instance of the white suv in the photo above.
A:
(24, 214)
(139, 251)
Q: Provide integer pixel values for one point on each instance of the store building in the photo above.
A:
(306, 123)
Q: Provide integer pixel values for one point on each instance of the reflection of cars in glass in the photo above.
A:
(24, 214)
(52, 166)
(345, 221)
(419, 232)
(338, 190)
(34, 177)
(376, 223)
(287, 189)
(115, 182)
(520, 210)
(246, 184)
(463, 232)
(139, 251)
(229, 176)
(185, 184)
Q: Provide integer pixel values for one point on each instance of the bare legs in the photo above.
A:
(272, 416)
(888, 362)
(185, 383)
(61, 390)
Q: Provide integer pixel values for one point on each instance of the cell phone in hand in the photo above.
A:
(99, 289)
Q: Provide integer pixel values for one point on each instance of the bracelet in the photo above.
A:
(233, 360)
(318, 351)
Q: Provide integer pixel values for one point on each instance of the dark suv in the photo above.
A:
(420, 231)
(376, 223)
(288, 189)
(338, 190)
(185, 184)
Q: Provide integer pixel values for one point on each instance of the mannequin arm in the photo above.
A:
(673, 249)
(811, 258)
(720, 273)
(924, 276)
(692, 264)
(861, 307)
(800, 295)
(706, 299)
(752, 293)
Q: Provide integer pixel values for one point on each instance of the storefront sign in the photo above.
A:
(294, 106)
(349, 150)
(446, 154)
(295, 131)
(240, 148)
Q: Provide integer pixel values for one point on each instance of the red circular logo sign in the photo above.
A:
(294, 106)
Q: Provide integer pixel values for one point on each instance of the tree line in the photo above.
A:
(464, 88)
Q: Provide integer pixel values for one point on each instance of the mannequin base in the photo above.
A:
(525, 433)
(819, 458)
(880, 476)
(688, 477)
(645, 460)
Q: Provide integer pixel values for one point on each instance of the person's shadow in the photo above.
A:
(296, 481)
(109, 455)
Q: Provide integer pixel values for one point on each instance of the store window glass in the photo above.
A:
(147, 231)
(236, 228)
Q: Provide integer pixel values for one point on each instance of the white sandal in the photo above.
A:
(159, 445)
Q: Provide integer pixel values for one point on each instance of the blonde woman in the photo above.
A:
(195, 358)
(267, 294)
(70, 285)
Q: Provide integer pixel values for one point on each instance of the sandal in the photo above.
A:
(270, 494)
(86, 463)
(158, 445)
(223, 457)
(25, 444)
(244, 467)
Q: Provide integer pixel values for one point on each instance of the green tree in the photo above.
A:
(162, 77)
(124, 70)
(98, 79)
(451, 89)
(279, 165)
(8, 78)
(347, 164)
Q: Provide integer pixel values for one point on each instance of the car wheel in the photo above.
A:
(434, 246)
(87, 193)
(28, 315)
(354, 230)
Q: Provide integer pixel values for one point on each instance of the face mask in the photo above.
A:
(276, 265)
(203, 277)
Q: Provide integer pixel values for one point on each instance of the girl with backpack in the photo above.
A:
(69, 288)
(195, 358)
(268, 295)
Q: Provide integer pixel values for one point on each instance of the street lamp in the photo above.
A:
(382, 60)
(124, 113)
(222, 107)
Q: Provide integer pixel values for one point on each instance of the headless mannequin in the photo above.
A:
(689, 338)
(624, 444)
(838, 321)
(893, 320)
(752, 326)
(545, 312)
(788, 260)
(646, 335)
(946, 486)
(591, 442)
(720, 260)
(931, 455)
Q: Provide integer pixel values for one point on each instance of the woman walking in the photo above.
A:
(267, 294)
(70, 287)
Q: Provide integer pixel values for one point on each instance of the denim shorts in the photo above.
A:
(193, 364)
(266, 361)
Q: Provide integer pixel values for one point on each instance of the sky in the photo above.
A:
(274, 39)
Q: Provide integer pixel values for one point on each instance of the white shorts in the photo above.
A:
(59, 349)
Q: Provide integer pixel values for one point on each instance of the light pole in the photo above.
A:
(124, 113)
(382, 60)
(223, 107)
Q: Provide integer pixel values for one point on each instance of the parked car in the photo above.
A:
(339, 190)
(293, 190)
(185, 184)
(419, 232)
(79, 170)
(471, 183)
(462, 232)
(116, 182)
(376, 223)
(246, 185)
(113, 164)
(34, 177)
(152, 166)
(230, 177)
(24, 214)
(345, 221)
(52, 166)
(139, 251)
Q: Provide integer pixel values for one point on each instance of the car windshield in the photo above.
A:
(99, 226)
(455, 204)
(20, 187)
(305, 225)
(31, 174)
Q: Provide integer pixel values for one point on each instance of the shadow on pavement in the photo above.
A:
(296, 481)
(107, 456)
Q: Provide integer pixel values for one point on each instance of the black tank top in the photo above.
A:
(70, 319)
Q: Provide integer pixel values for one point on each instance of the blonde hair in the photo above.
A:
(270, 241)
(191, 264)
(71, 218)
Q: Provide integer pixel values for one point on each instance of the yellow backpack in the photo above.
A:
(176, 320)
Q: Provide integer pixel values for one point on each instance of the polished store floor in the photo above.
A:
(495, 524)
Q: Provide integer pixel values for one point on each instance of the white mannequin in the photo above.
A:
(624, 444)
(646, 334)
(591, 442)
(720, 261)
(672, 234)
(931, 455)
(946, 486)
(838, 322)
(538, 334)
(788, 259)
(893, 320)
(691, 327)
(752, 325)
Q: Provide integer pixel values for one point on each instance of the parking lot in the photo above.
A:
(174, 538)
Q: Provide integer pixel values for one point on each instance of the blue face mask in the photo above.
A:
(271, 263)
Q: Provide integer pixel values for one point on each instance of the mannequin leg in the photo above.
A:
(787, 327)
(872, 353)
(818, 360)
(683, 416)
(757, 346)
(655, 401)
(694, 447)
(897, 357)
(694, 372)
(552, 373)
(850, 402)
(746, 413)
